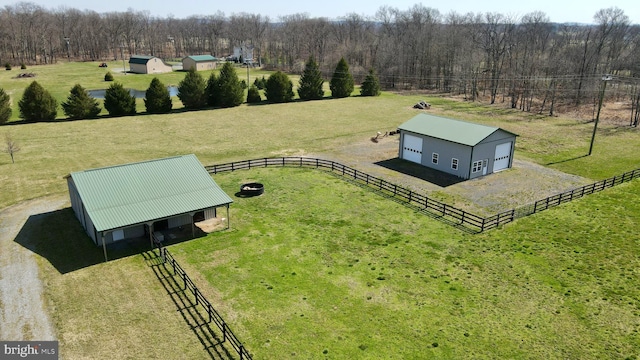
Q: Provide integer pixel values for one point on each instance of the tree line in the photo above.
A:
(527, 62)
(219, 90)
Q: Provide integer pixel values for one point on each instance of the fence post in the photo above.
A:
(224, 331)
(482, 225)
(209, 311)
(184, 279)
(241, 352)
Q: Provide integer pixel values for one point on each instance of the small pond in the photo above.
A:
(140, 94)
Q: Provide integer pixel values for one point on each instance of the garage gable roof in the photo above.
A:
(202, 58)
(456, 131)
(123, 195)
(140, 59)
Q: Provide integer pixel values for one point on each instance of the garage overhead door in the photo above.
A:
(502, 158)
(412, 148)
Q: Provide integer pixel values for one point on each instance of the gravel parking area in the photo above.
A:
(523, 184)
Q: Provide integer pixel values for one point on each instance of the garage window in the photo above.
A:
(454, 164)
(434, 158)
(477, 166)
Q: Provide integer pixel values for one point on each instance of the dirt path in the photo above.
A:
(22, 311)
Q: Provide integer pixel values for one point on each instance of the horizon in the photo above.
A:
(557, 12)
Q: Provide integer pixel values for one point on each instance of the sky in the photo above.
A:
(560, 11)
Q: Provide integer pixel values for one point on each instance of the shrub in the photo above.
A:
(260, 83)
(370, 85)
(191, 90)
(5, 107)
(243, 84)
(7, 66)
(279, 88)
(108, 76)
(231, 92)
(80, 105)
(342, 82)
(157, 99)
(311, 82)
(212, 90)
(253, 95)
(118, 101)
(23, 66)
(37, 104)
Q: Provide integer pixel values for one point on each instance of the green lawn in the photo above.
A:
(319, 264)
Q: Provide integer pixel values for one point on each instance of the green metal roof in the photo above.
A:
(140, 59)
(456, 131)
(200, 58)
(123, 195)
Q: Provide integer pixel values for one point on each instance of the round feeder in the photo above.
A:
(252, 189)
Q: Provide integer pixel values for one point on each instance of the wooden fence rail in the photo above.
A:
(434, 207)
(214, 316)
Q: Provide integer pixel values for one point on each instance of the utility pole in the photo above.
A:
(605, 78)
(124, 68)
(66, 38)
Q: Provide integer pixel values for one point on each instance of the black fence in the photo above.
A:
(435, 208)
(214, 316)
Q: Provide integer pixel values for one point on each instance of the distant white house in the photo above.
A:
(243, 52)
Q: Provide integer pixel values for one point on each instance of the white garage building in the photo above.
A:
(142, 199)
(457, 147)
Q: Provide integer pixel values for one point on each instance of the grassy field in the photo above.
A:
(321, 268)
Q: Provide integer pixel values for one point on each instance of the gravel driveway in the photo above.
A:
(525, 183)
(22, 311)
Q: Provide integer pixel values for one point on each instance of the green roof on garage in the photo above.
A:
(200, 58)
(123, 195)
(456, 131)
(140, 59)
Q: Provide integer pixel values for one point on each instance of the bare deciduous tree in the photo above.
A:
(11, 147)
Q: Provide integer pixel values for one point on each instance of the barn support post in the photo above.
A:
(104, 248)
(150, 226)
(228, 219)
(193, 231)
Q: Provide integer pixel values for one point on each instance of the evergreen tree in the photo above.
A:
(118, 101)
(80, 105)
(342, 82)
(310, 87)
(253, 95)
(108, 76)
(157, 99)
(212, 90)
(191, 90)
(370, 85)
(37, 104)
(279, 88)
(231, 92)
(5, 107)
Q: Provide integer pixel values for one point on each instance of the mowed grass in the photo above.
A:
(319, 267)
(560, 284)
(355, 275)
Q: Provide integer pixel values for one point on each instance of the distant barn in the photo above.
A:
(142, 64)
(199, 62)
(457, 147)
(137, 200)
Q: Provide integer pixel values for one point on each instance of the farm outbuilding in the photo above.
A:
(460, 148)
(143, 199)
(199, 62)
(143, 64)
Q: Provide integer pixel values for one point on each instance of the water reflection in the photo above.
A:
(140, 94)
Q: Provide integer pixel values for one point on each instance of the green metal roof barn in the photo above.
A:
(457, 147)
(126, 201)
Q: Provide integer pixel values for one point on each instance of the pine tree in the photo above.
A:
(118, 101)
(191, 90)
(5, 107)
(253, 95)
(370, 85)
(157, 99)
(310, 87)
(279, 88)
(37, 104)
(342, 82)
(231, 92)
(80, 105)
(212, 90)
